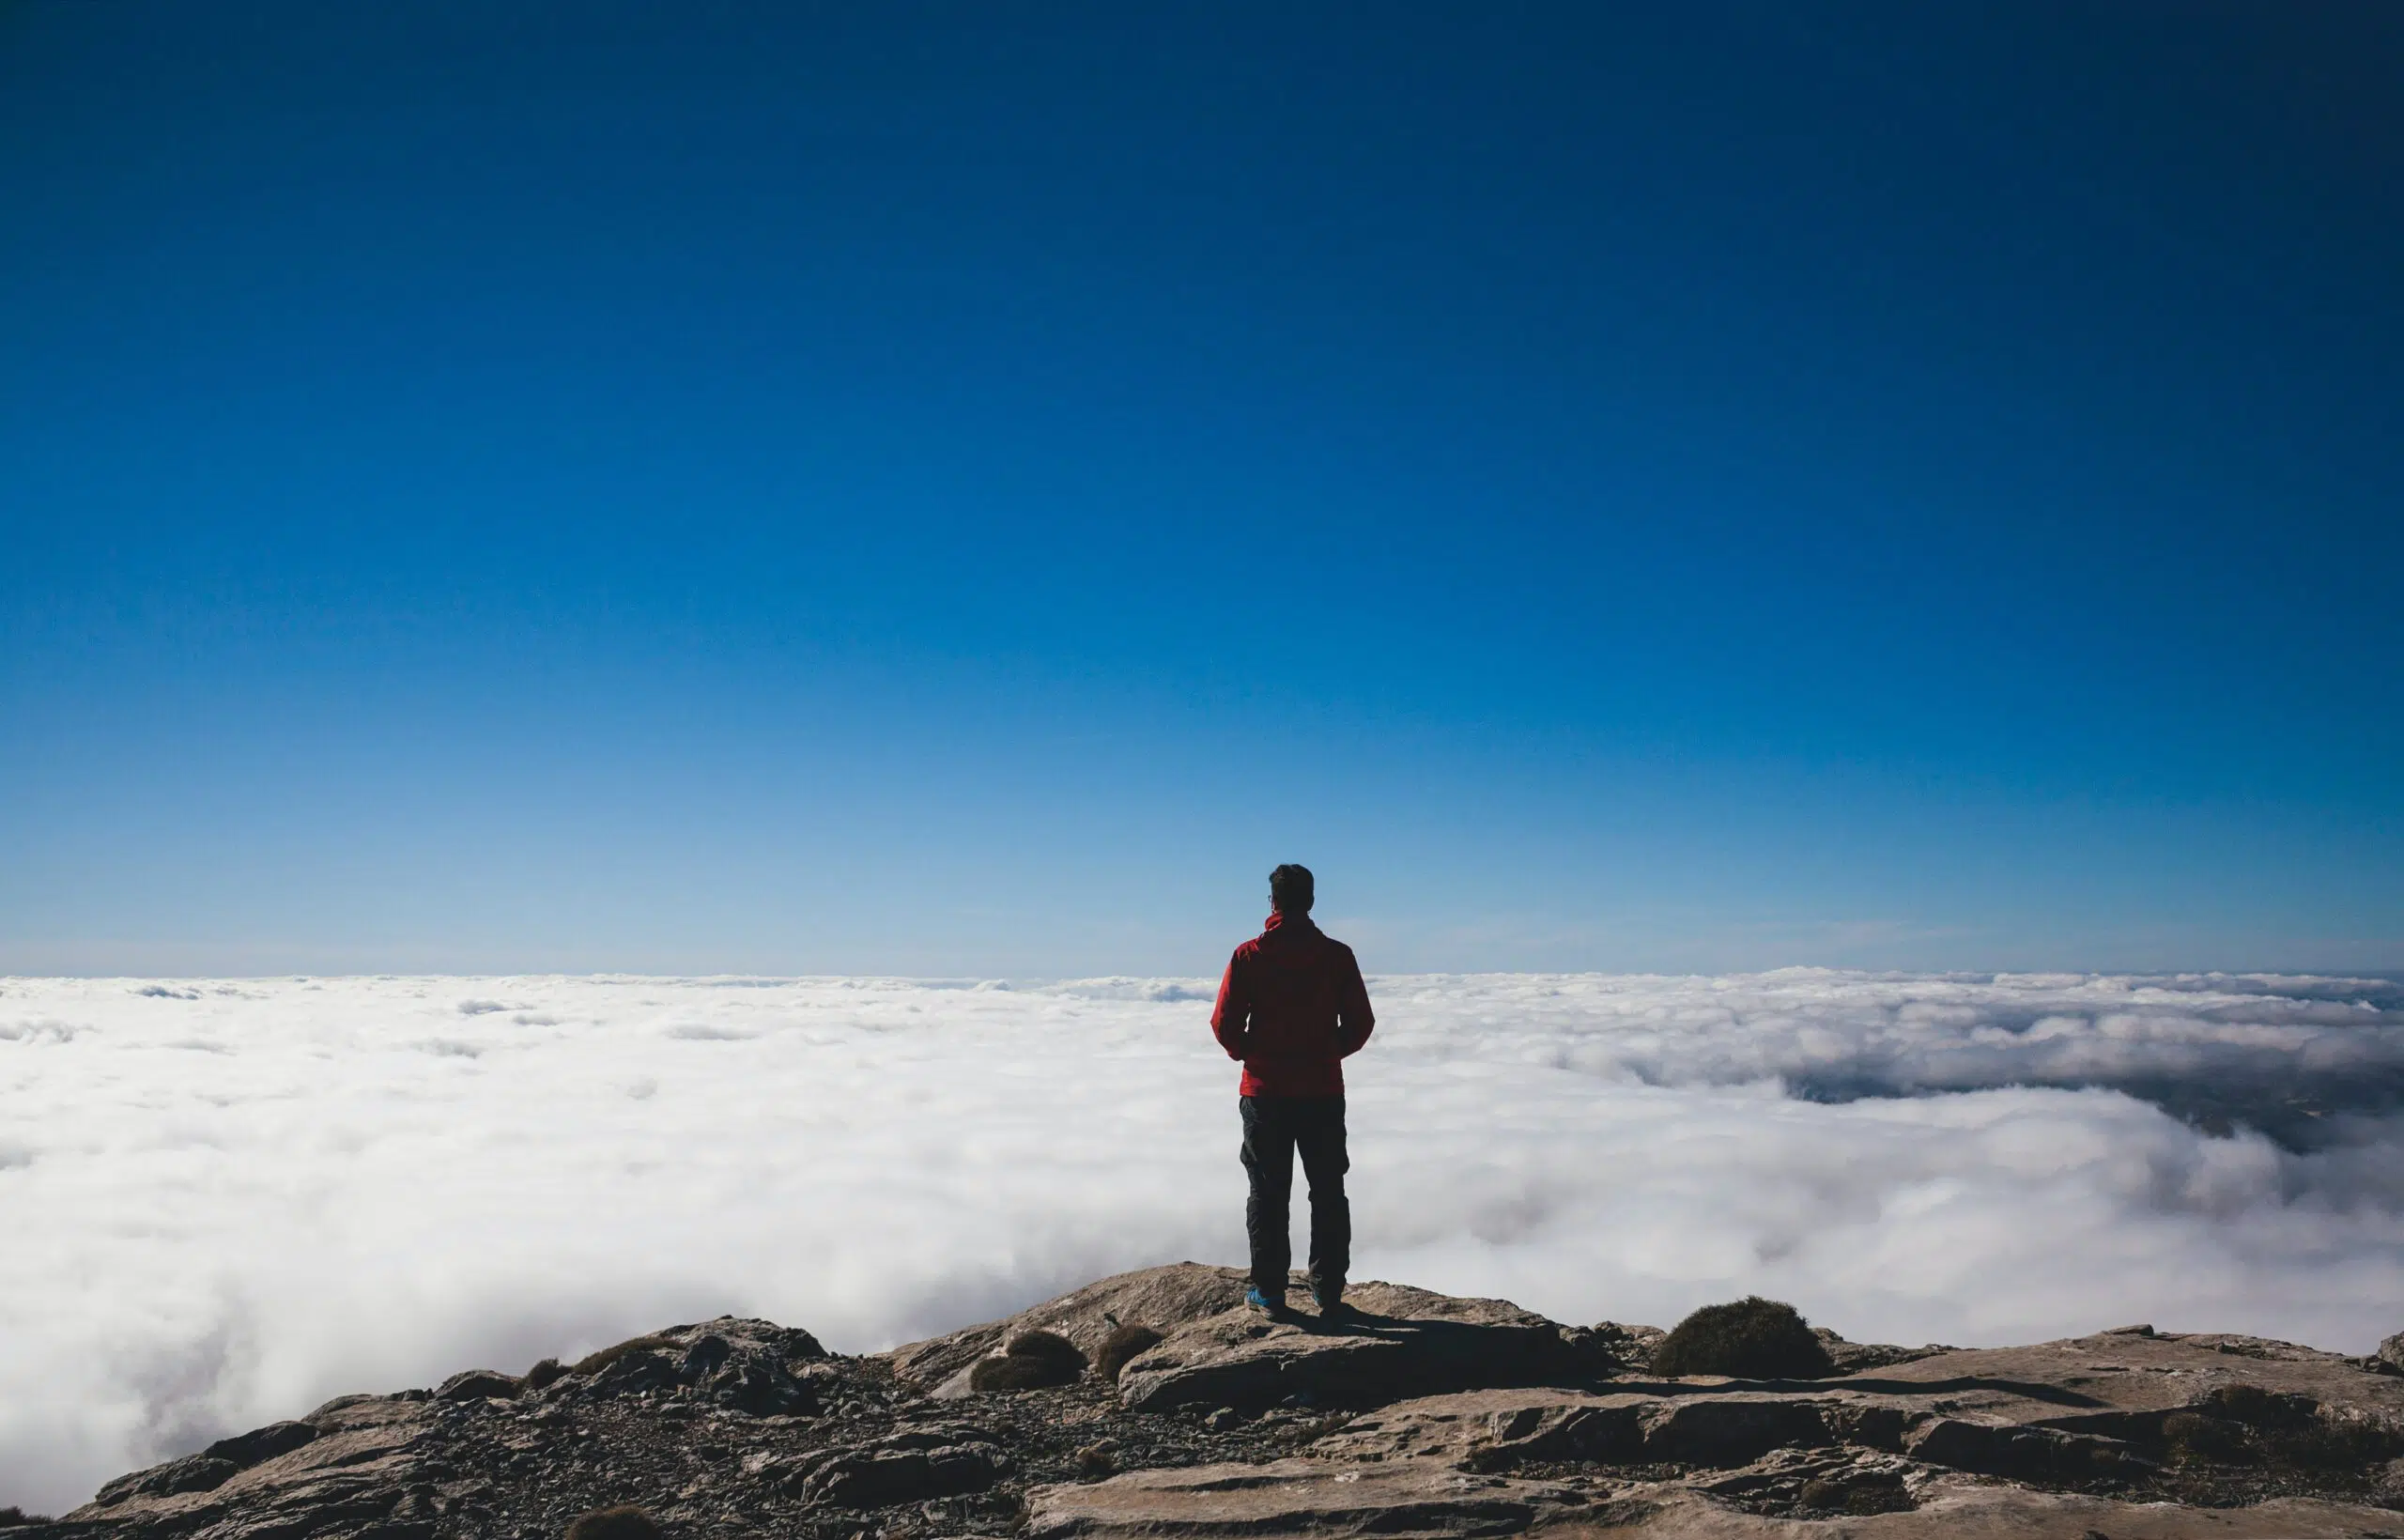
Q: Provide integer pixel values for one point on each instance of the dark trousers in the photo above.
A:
(1275, 1127)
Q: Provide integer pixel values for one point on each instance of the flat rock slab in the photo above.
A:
(1297, 1497)
(2106, 1387)
(1721, 1426)
(1216, 1352)
(1327, 1501)
(2118, 1382)
(1971, 1513)
(1392, 1341)
(1497, 1430)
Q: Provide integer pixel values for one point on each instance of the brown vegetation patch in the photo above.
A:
(623, 1522)
(1122, 1346)
(597, 1362)
(1033, 1361)
(1752, 1338)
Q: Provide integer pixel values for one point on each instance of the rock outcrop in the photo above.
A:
(1155, 1403)
(1390, 1343)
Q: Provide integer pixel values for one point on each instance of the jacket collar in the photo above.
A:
(1279, 920)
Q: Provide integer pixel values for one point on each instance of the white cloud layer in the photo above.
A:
(225, 1201)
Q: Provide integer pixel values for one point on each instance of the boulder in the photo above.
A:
(476, 1384)
(262, 1443)
(636, 1371)
(737, 1363)
(1631, 1347)
(703, 1357)
(2391, 1351)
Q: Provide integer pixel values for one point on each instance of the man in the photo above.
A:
(1292, 1007)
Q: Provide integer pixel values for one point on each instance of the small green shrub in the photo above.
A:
(1752, 1338)
(545, 1373)
(623, 1522)
(1122, 1346)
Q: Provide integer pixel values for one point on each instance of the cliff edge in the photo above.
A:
(1156, 1404)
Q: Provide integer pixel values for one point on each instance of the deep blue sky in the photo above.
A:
(966, 489)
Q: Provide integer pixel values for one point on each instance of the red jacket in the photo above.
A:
(1291, 1007)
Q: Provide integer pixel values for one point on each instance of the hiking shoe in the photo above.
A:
(1258, 1301)
(1334, 1310)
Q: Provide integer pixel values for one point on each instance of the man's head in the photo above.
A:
(1289, 889)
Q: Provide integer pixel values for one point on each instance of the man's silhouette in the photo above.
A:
(1291, 1007)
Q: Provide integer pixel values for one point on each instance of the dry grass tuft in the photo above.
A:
(596, 1362)
(1752, 1338)
(1121, 1346)
(1033, 1361)
(623, 1522)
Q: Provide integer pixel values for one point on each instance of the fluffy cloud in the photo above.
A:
(229, 1200)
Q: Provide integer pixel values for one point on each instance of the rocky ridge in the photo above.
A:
(1412, 1413)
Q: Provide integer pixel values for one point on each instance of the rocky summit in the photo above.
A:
(1157, 1404)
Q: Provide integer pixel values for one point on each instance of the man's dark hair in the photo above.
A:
(1289, 889)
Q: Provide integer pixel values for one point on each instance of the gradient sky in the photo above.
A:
(966, 489)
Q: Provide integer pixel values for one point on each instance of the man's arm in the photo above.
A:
(1231, 1017)
(1353, 1018)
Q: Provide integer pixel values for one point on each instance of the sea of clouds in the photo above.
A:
(224, 1201)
